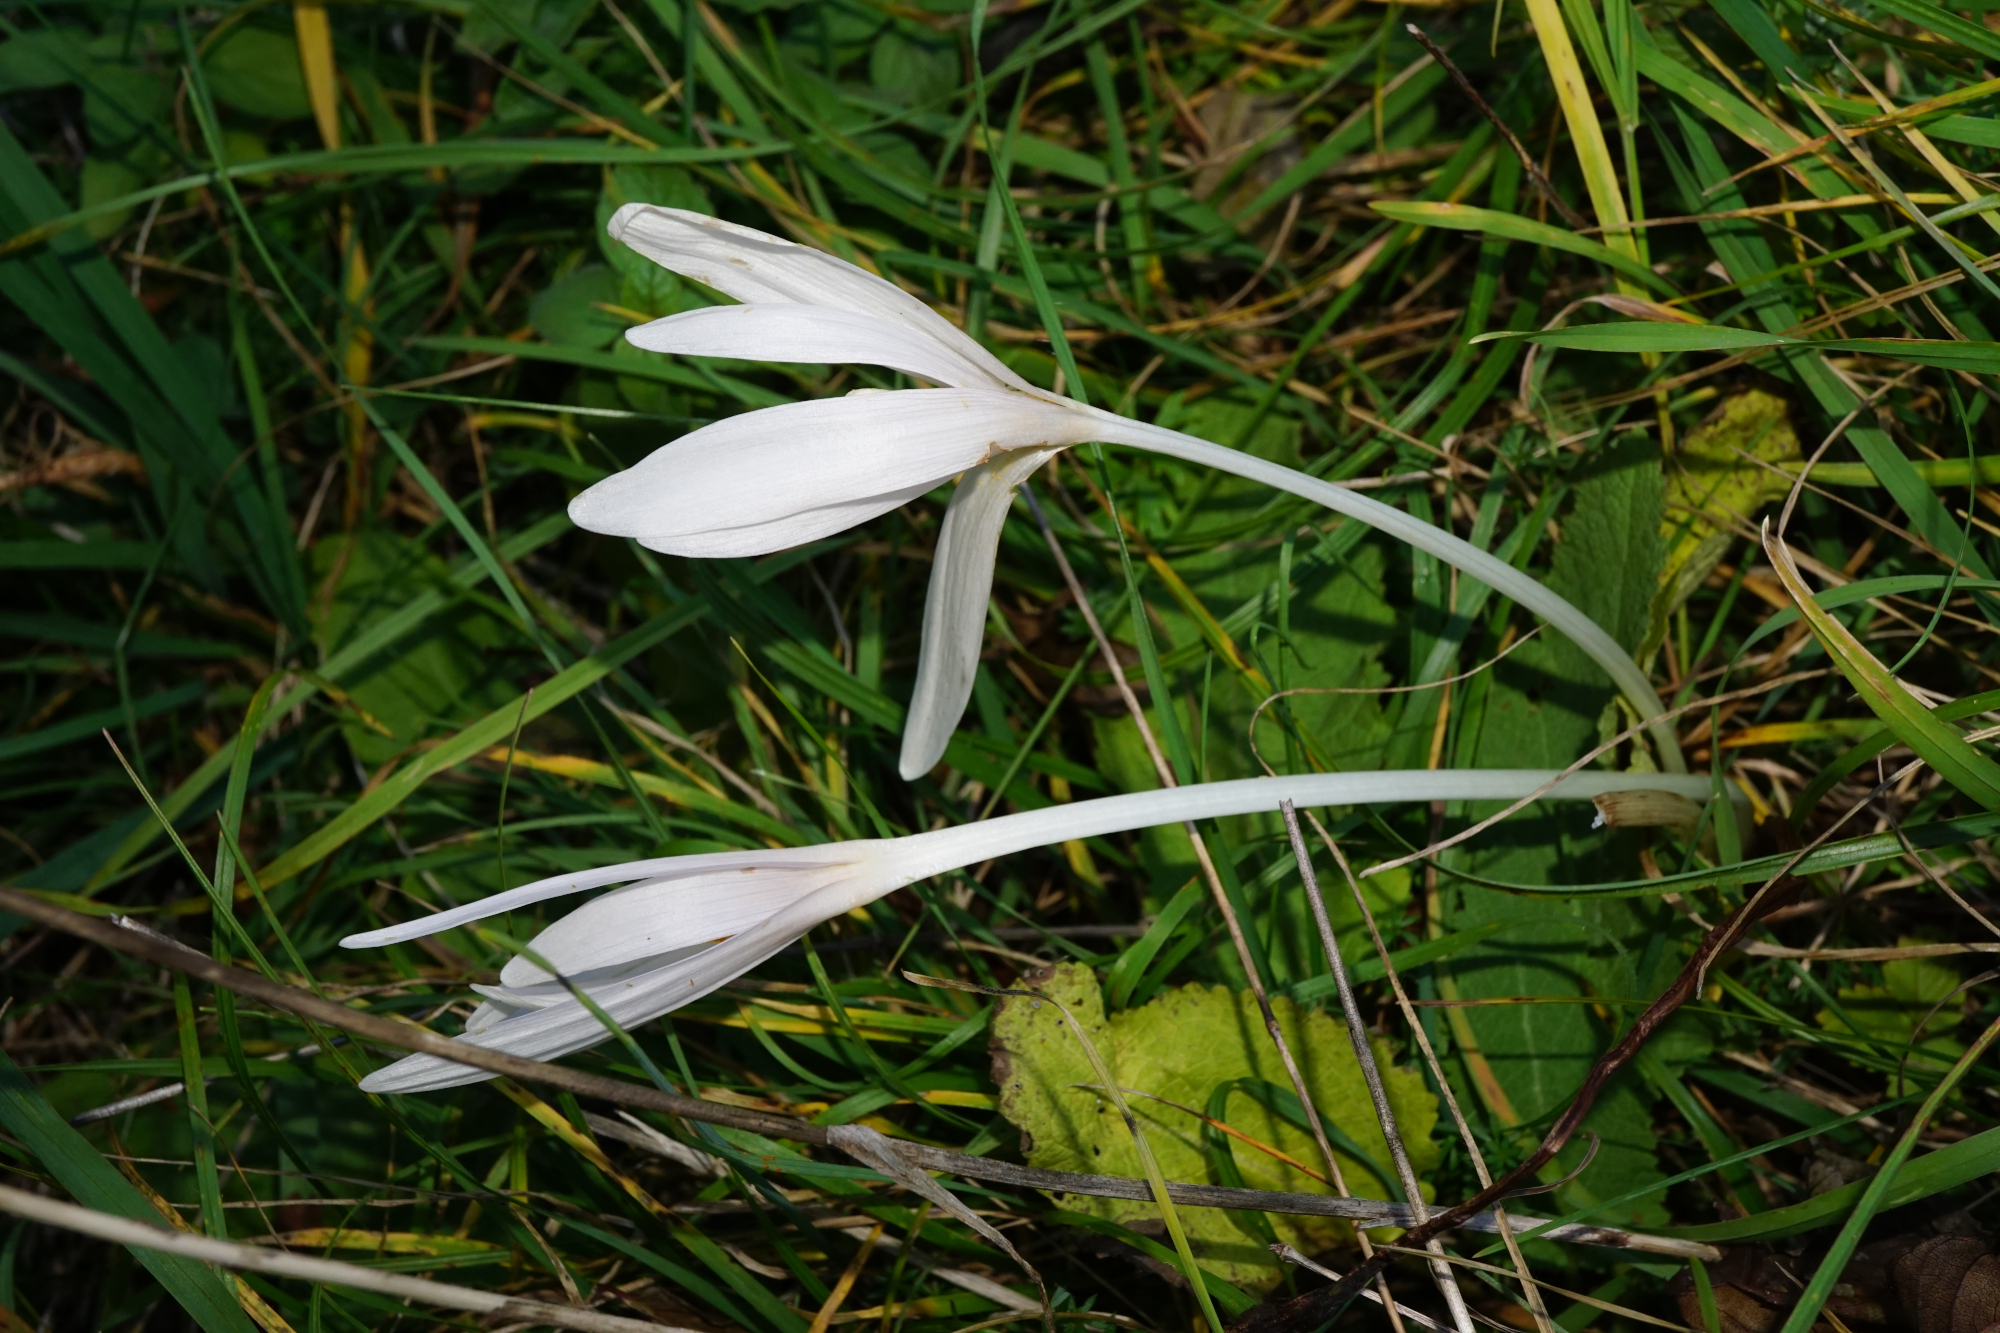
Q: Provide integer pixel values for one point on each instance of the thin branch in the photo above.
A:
(1528, 163)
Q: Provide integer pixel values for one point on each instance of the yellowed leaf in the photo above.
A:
(1721, 474)
(315, 35)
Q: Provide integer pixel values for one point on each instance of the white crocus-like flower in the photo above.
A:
(781, 476)
(682, 926)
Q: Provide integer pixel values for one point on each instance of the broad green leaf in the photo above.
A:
(256, 71)
(82, 1171)
(105, 179)
(910, 70)
(1545, 705)
(571, 310)
(1512, 227)
(49, 58)
(1717, 478)
(1183, 1046)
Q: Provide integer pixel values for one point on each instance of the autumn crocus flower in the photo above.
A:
(683, 926)
(781, 476)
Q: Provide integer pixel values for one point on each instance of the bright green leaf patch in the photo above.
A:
(1182, 1047)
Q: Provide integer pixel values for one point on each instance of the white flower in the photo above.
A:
(682, 926)
(780, 476)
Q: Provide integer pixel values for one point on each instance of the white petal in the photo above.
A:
(662, 916)
(807, 525)
(558, 1029)
(542, 994)
(955, 609)
(813, 334)
(660, 868)
(760, 269)
(776, 463)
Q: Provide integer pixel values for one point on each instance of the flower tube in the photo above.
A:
(781, 476)
(682, 926)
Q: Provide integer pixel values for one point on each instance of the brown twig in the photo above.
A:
(1528, 163)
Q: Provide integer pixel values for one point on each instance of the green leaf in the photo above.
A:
(911, 70)
(105, 179)
(1512, 227)
(1933, 1173)
(1716, 480)
(1930, 18)
(93, 1182)
(256, 71)
(36, 60)
(1183, 1046)
(570, 310)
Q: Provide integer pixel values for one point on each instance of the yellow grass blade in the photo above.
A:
(316, 62)
(1607, 199)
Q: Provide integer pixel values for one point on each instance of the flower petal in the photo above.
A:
(659, 869)
(558, 1029)
(773, 465)
(955, 609)
(760, 269)
(814, 334)
(807, 525)
(663, 915)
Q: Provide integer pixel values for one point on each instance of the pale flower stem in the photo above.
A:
(1208, 871)
(1529, 1290)
(1489, 569)
(1371, 1073)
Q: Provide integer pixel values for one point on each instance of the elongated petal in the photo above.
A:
(759, 269)
(660, 916)
(813, 334)
(855, 454)
(955, 609)
(542, 994)
(794, 529)
(660, 869)
(558, 1029)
